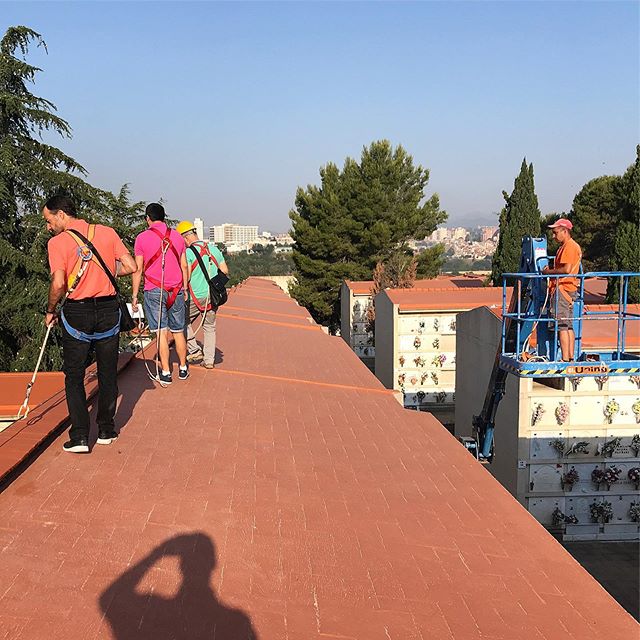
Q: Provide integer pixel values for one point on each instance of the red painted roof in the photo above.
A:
(288, 492)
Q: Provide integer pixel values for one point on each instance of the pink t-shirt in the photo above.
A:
(147, 244)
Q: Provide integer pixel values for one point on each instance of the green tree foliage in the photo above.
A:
(357, 217)
(430, 261)
(594, 214)
(519, 217)
(626, 245)
(31, 171)
(262, 262)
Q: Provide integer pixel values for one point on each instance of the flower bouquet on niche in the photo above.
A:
(597, 477)
(601, 511)
(423, 377)
(635, 380)
(537, 413)
(611, 409)
(634, 476)
(441, 396)
(419, 361)
(569, 479)
(575, 382)
(634, 511)
(562, 413)
(558, 445)
(579, 447)
(635, 407)
(635, 444)
(600, 380)
(611, 476)
(436, 343)
(420, 396)
(401, 360)
(417, 342)
(435, 378)
(439, 360)
(610, 446)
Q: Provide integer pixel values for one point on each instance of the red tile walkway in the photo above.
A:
(284, 495)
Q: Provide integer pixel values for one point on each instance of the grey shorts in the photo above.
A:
(564, 313)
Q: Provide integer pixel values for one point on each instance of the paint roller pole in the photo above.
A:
(25, 404)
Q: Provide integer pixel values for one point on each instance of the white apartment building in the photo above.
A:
(238, 234)
(198, 223)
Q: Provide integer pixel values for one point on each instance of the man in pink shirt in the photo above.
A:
(160, 254)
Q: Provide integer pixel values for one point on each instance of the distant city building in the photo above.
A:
(488, 233)
(199, 225)
(284, 239)
(238, 234)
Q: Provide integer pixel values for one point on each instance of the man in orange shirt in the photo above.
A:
(564, 291)
(90, 314)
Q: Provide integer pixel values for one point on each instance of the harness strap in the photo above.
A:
(203, 250)
(90, 337)
(165, 245)
(85, 255)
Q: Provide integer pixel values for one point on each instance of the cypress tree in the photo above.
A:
(519, 217)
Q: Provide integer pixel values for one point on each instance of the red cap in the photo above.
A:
(561, 222)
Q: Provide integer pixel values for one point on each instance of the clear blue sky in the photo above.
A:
(224, 109)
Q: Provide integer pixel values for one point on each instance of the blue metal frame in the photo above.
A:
(544, 361)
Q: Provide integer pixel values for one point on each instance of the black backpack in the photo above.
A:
(217, 284)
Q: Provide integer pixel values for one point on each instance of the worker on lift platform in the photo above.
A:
(564, 291)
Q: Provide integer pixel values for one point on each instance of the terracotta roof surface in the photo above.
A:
(288, 493)
(363, 287)
(446, 298)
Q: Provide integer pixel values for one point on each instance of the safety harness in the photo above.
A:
(202, 249)
(85, 257)
(165, 245)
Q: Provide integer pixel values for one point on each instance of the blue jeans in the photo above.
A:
(173, 318)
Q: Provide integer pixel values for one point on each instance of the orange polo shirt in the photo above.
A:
(63, 255)
(570, 254)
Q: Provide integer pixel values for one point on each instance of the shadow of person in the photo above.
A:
(194, 613)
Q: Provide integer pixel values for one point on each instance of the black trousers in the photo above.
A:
(91, 315)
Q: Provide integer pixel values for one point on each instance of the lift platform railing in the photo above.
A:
(531, 315)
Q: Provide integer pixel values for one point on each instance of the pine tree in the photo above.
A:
(519, 217)
(31, 171)
(359, 216)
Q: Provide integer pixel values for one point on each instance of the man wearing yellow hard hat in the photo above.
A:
(199, 305)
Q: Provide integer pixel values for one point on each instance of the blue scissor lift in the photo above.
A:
(527, 314)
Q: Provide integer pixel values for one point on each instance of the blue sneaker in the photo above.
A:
(183, 374)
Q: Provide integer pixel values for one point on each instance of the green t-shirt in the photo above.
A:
(197, 281)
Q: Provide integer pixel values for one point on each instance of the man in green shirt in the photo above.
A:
(199, 304)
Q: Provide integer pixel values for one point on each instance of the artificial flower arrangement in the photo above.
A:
(579, 447)
(434, 377)
(600, 380)
(436, 324)
(419, 361)
(401, 360)
(635, 380)
(635, 407)
(423, 377)
(441, 396)
(610, 446)
(611, 476)
(562, 413)
(635, 444)
(420, 396)
(436, 343)
(558, 518)
(439, 360)
(417, 342)
(452, 325)
(570, 478)
(597, 477)
(610, 410)
(601, 511)
(634, 476)
(575, 382)
(634, 511)
(401, 378)
(414, 380)
(558, 445)
(537, 413)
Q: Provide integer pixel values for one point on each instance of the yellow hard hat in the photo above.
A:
(185, 226)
